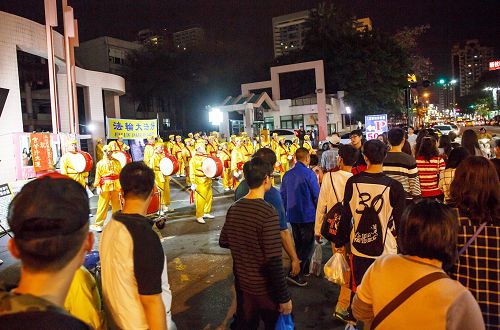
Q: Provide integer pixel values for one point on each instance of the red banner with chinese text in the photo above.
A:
(41, 152)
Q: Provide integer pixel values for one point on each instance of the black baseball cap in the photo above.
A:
(49, 206)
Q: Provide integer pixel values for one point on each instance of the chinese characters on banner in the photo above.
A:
(131, 128)
(495, 65)
(41, 151)
(375, 125)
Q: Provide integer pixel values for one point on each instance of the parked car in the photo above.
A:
(288, 134)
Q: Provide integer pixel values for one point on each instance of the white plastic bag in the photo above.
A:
(336, 269)
(316, 259)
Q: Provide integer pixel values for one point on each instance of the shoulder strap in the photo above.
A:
(333, 186)
(472, 239)
(404, 295)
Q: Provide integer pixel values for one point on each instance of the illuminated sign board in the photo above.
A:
(495, 65)
(375, 125)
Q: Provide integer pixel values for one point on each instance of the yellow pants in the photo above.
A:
(285, 167)
(227, 178)
(102, 205)
(164, 188)
(182, 170)
(186, 169)
(203, 197)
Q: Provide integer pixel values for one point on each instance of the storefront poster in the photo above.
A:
(41, 152)
(375, 125)
(131, 128)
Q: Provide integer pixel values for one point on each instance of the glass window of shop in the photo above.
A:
(286, 122)
(269, 123)
(297, 121)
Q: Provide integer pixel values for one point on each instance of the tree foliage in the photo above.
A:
(181, 84)
(369, 65)
(408, 38)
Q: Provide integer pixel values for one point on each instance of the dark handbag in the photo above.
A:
(332, 218)
(404, 295)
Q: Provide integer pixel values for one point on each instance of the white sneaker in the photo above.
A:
(1, 261)
(227, 189)
(96, 228)
(200, 220)
(208, 216)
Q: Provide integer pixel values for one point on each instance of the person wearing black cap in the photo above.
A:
(49, 219)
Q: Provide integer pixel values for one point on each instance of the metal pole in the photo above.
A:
(50, 21)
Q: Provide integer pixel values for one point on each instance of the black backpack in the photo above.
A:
(368, 234)
(332, 218)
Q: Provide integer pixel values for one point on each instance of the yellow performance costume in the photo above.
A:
(248, 149)
(237, 162)
(201, 185)
(225, 157)
(149, 150)
(212, 147)
(293, 150)
(231, 144)
(118, 145)
(99, 154)
(162, 181)
(170, 143)
(274, 142)
(177, 148)
(308, 145)
(282, 154)
(68, 165)
(83, 300)
(107, 177)
(216, 140)
(187, 154)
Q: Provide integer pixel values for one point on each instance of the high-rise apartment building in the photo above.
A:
(289, 31)
(189, 38)
(468, 63)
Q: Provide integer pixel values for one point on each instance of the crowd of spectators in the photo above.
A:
(419, 226)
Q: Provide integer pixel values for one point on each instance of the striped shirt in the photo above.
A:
(428, 172)
(252, 233)
(478, 268)
(403, 168)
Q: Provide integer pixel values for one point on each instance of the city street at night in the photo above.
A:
(246, 165)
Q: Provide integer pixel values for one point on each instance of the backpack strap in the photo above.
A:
(472, 239)
(334, 191)
(404, 295)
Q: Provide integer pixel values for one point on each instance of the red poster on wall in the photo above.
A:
(41, 152)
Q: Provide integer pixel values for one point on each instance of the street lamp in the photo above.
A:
(349, 111)
(215, 116)
(89, 127)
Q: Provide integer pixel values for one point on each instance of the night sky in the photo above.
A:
(247, 25)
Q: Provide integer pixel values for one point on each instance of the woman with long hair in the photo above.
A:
(470, 142)
(430, 164)
(456, 156)
(427, 236)
(445, 146)
(421, 134)
(475, 193)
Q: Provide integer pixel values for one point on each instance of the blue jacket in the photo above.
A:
(299, 192)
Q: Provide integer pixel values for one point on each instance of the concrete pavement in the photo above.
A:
(200, 272)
